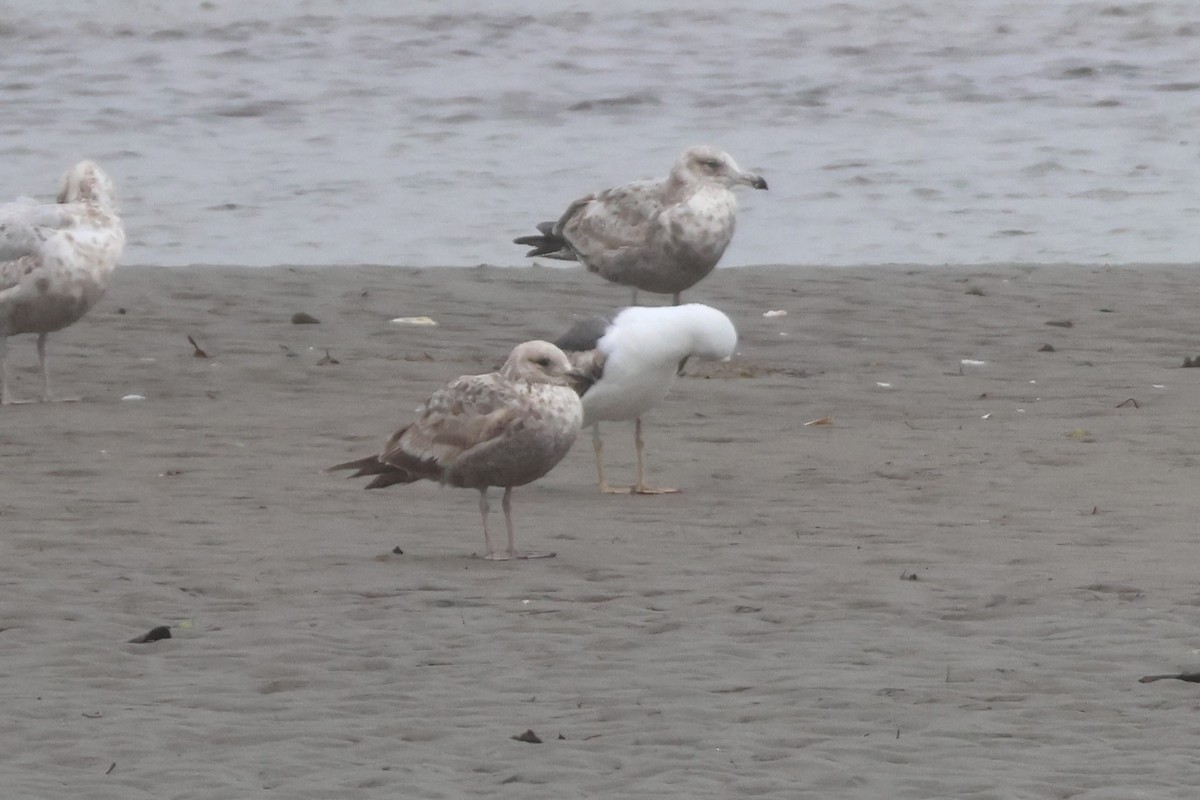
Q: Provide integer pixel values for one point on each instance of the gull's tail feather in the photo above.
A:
(385, 474)
(548, 244)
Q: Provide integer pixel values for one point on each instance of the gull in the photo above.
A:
(662, 235)
(56, 260)
(633, 361)
(505, 428)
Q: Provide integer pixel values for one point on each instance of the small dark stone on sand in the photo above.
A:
(120, 311)
(1046, 348)
(152, 635)
(300, 318)
(1062, 323)
(397, 551)
(528, 736)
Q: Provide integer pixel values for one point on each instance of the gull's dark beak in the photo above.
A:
(580, 381)
(751, 179)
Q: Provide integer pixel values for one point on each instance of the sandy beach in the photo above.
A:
(950, 591)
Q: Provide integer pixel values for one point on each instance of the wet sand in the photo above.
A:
(950, 591)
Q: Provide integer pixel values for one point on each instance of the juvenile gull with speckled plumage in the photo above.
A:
(662, 235)
(55, 261)
(506, 428)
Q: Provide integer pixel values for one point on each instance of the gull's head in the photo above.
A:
(662, 335)
(710, 165)
(87, 183)
(713, 333)
(540, 362)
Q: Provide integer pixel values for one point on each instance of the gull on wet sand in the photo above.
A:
(633, 361)
(505, 428)
(56, 260)
(662, 235)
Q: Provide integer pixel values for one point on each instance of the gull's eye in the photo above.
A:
(711, 163)
(542, 362)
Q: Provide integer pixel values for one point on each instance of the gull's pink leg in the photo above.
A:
(640, 487)
(512, 540)
(47, 397)
(598, 447)
(483, 512)
(5, 397)
(41, 350)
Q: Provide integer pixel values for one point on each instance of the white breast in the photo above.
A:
(712, 202)
(628, 390)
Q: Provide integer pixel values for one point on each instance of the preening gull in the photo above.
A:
(633, 360)
(662, 235)
(55, 261)
(506, 428)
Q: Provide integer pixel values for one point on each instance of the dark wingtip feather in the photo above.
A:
(543, 246)
(583, 335)
(392, 476)
(365, 466)
(547, 244)
(385, 474)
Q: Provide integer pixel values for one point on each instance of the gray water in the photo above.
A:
(431, 133)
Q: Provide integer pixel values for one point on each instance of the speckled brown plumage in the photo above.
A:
(505, 428)
(661, 235)
(56, 261)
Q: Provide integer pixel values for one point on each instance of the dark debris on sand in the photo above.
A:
(152, 635)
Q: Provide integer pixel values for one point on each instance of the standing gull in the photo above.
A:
(506, 428)
(633, 361)
(56, 261)
(662, 235)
